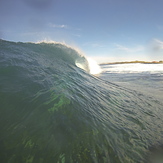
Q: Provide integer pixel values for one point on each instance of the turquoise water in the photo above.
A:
(53, 111)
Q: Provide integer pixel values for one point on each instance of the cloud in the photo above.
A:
(129, 50)
(64, 26)
(94, 45)
(123, 48)
(57, 25)
(160, 27)
(157, 45)
(155, 49)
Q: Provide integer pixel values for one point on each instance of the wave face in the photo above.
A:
(53, 111)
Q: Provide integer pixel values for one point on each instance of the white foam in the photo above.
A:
(93, 66)
(133, 68)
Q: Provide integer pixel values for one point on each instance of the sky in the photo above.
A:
(105, 30)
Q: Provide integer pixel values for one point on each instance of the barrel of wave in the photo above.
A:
(85, 63)
(94, 68)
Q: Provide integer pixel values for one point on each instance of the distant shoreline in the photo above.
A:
(127, 62)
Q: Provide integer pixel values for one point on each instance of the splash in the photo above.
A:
(93, 66)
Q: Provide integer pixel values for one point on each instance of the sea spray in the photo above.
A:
(93, 66)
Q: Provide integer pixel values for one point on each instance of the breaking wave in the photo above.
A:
(53, 111)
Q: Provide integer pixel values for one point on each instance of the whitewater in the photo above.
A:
(52, 109)
(144, 78)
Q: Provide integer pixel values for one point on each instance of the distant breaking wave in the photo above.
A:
(133, 68)
(53, 111)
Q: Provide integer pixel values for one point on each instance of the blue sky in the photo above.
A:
(106, 30)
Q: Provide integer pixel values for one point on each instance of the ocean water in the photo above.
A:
(144, 78)
(53, 110)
